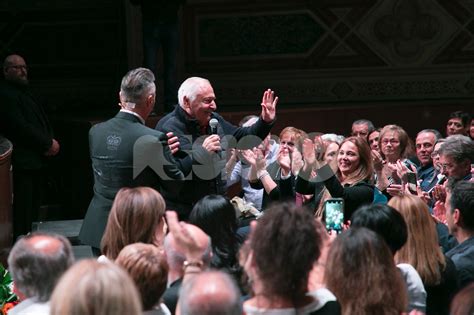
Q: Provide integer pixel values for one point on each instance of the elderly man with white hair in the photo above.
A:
(203, 138)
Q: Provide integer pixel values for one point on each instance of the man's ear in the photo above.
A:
(456, 216)
(186, 102)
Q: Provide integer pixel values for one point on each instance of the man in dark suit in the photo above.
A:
(126, 153)
(24, 122)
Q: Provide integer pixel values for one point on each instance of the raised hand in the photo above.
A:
(284, 160)
(309, 155)
(269, 102)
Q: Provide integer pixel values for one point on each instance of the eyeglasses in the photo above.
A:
(391, 141)
(19, 67)
(434, 154)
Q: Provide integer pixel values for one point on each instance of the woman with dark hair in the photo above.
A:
(359, 261)
(137, 215)
(423, 252)
(347, 177)
(216, 216)
(281, 252)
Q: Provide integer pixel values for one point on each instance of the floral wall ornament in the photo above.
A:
(407, 29)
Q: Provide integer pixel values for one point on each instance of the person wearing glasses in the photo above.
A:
(24, 122)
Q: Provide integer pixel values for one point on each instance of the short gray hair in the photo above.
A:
(194, 299)
(36, 271)
(137, 83)
(367, 122)
(458, 147)
(332, 137)
(436, 133)
(190, 88)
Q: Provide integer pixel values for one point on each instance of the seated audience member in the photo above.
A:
(347, 177)
(239, 170)
(278, 178)
(390, 225)
(458, 123)
(202, 147)
(210, 293)
(178, 262)
(36, 263)
(395, 146)
(362, 128)
(92, 288)
(463, 302)
(279, 261)
(147, 267)
(215, 215)
(423, 252)
(373, 139)
(460, 217)
(456, 156)
(137, 215)
(332, 142)
(360, 261)
(425, 144)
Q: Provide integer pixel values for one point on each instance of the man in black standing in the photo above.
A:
(126, 153)
(24, 122)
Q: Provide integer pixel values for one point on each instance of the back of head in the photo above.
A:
(285, 246)
(93, 288)
(36, 263)
(210, 293)
(136, 84)
(421, 250)
(360, 261)
(383, 220)
(215, 215)
(463, 303)
(462, 198)
(147, 266)
(136, 216)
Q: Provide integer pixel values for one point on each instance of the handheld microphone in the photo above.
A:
(213, 123)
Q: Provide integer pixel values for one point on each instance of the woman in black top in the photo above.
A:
(348, 176)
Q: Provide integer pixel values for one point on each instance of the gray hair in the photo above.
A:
(367, 122)
(436, 133)
(196, 299)
(136, 84)
(458, 147)
(332, 137)
(190, 88)
(36, 271)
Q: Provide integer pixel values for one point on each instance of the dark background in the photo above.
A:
(331, 62)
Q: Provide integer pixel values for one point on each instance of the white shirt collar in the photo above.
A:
(133, 113)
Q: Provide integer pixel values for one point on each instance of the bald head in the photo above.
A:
(15, 69)
(212, 292)
(36, 262)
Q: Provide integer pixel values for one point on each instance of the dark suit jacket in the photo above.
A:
(24, 122)
(118, 147)
(203, 170)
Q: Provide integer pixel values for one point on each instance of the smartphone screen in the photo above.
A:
(334, 214)
(411, 182)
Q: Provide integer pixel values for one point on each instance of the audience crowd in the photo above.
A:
(178, 238)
